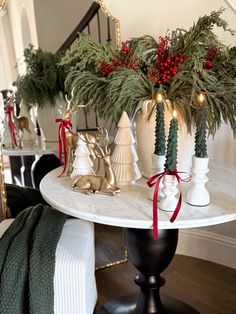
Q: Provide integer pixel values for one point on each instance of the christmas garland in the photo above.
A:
(179, 66)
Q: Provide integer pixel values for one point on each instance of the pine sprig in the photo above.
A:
(200, 34)
(124, 90)
(85, 54)
(141, 45)
(88, 89)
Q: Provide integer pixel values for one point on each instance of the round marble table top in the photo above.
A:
(31, 151)
(131, 208)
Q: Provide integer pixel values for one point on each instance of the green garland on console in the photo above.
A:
(172, 150)
(201, 133)
(43, 80)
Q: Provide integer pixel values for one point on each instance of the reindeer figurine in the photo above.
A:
(21, 124)
(71, 137)
(98, 184)
(92, 139)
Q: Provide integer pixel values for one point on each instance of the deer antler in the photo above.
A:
(104, 133)
(10, 98)
(96, 148)
(71, 110)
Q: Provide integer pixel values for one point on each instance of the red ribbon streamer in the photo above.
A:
(64, 124)
(155, 181)
(11, 124)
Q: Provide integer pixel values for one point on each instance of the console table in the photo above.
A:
(25, 168)
(132, 210)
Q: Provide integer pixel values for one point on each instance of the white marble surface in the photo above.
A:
(50, 148)
(131, 208)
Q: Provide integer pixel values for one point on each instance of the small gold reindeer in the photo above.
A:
(21, 123)
(92, 139)
(98, 184)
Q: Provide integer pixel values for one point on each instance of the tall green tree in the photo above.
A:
(160, 137)
(172, 149)
(201, 133)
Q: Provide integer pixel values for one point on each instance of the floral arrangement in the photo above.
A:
(43, 80)
(178, 65)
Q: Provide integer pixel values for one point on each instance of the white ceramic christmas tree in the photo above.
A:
(82, 164)
(124, 158)
(28, 139)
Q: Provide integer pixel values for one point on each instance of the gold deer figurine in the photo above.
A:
(71, 137)
(21, 123)
(92, 139)
(98, 184)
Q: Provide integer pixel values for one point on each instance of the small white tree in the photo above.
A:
(124, 158)
(82, 164)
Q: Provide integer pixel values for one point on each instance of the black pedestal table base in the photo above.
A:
(151, 258)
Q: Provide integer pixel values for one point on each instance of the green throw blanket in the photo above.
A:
(27, 261)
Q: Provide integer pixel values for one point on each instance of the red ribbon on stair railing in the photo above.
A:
(11, 124)
(65, 124)
(155, 181)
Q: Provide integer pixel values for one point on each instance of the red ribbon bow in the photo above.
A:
(64, 124)
(11, 124)
(155, 181)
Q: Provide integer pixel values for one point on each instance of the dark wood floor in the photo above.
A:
(209, 287)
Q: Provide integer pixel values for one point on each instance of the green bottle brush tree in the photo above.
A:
(160, 137)
(172, 146)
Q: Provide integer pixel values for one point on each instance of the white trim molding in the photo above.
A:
(208, 245)
(232, 4)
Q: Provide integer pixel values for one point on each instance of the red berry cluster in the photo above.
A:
(126, 56)
(125, 47)
(106, 68)
(211, 54)
(167, 64)
(162, 50)
(124, 60)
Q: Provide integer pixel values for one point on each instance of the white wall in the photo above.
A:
(7, 56)
(23, 26)
(56, 19)
(154, 17)
(17, 31)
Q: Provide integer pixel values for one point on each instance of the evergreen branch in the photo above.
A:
(84, 54)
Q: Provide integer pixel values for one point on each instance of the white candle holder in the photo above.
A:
(158, 162)
(169, 201)
(198, 194)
